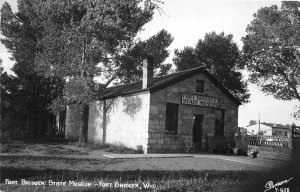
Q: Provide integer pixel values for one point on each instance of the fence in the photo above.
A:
(269, 147)
(269, 141)
(296, 142)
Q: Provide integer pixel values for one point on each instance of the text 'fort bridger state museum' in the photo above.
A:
(159, 114)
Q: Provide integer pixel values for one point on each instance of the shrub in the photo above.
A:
(4, 148)
(114, 148)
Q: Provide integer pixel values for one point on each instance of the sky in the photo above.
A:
(188, 21)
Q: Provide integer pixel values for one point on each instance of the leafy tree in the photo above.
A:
(272, 51)
(219, 55)
(252, 122)
(28, 91)
(155, 46)
(81, 40)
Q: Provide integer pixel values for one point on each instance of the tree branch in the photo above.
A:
(110, 80)
(291, 84)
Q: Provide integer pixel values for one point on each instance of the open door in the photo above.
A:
(197, 128)
(219, 122)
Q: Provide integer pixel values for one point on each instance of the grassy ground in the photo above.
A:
(146, 180)
(64, 148)
(103, 174)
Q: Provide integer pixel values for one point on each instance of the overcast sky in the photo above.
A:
(188, 21)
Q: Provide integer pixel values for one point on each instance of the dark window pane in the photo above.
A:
(200, 86)
(172, 118)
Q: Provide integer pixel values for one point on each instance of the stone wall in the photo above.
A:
(161, 142)
(127, 121)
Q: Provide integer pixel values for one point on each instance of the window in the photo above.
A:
(172, 118)
(200, 86)
(285, 133)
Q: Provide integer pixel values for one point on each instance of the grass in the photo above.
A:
(114, 148)
(58, 149)
(10, 147)
(158, 180)
(165, 181)
(62, 151)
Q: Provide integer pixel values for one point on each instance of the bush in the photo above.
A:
(99, 146)
(4, 148)
(62, 151)
(114, 148)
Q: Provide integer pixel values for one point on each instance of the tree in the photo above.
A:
(31, 92)
(272, 51)
(131, 68)
(252, 122)
(220, 56)
(81, 40)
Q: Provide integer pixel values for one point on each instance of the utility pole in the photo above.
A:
(258, 122)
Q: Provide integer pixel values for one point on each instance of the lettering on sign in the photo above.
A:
(199, 100)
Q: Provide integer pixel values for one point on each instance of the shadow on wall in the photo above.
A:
(132, 105)
(128, 105)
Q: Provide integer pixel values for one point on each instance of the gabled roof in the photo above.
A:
(161, 82)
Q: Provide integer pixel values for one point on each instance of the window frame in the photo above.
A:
(200, 84)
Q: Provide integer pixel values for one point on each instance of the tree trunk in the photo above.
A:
(57, 121)
(84, 118)
(104, 122)
(62, 123)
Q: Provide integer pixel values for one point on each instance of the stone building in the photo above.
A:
(159, 114)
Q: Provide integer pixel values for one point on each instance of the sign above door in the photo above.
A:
(199, 100)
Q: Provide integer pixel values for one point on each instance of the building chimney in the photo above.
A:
(147, 71)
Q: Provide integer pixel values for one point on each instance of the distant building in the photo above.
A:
(268, 129)
(280, 130)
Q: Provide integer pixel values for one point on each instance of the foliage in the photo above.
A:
(114, 148)
(28, 94)
(60, 46)
(219, 55)
(272, 50)
(82, 40)
(154, 46)
(252, 122)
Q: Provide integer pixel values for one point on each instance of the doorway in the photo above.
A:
(197, 128)
(219, 122)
